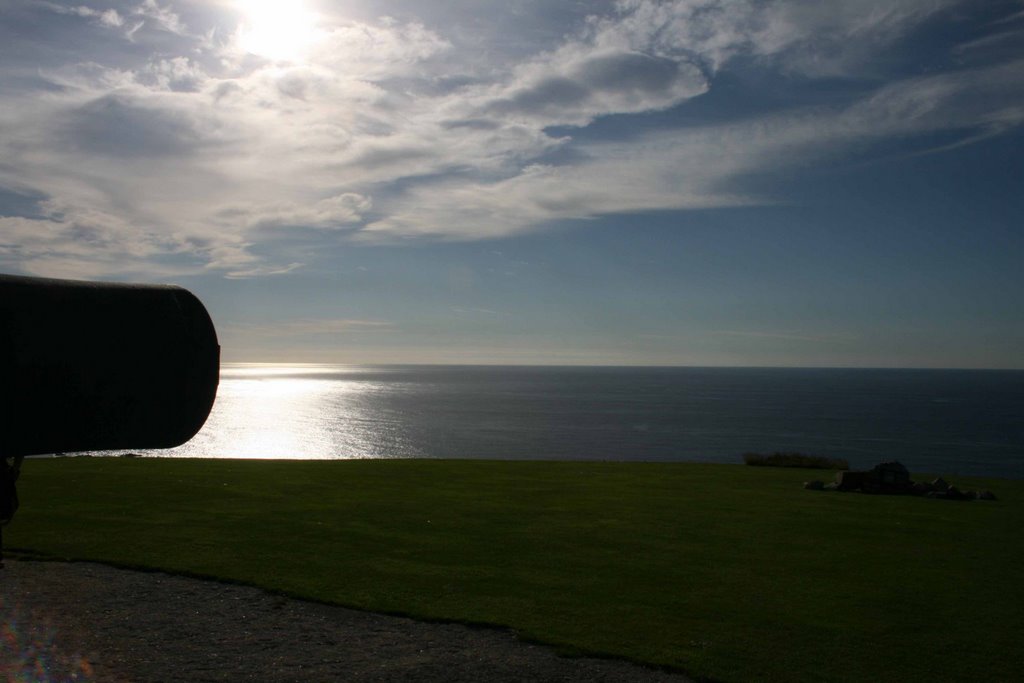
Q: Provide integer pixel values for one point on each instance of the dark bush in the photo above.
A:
(777, 459)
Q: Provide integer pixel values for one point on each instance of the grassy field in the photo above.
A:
(729, 573)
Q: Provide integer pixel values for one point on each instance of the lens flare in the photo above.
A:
(29, 651)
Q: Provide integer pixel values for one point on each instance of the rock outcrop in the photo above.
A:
(893, 478)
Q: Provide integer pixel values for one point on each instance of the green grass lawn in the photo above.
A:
(726, 572)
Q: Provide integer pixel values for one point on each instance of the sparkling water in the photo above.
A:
(942, 421)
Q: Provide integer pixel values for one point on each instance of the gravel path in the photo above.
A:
(89, 622)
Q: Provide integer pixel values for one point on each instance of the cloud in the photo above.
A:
(307, 327)
(805, 36)
(833, 39)
(791, 336)
(369, 51)
(576, 90)
(20, 235)
(697, 167)
(163, 142)
(333, 212)
(114, 125)
(261, 271)
(968, 99)
(162, 17)
(71, 241)
(108, 17)
(179, 74)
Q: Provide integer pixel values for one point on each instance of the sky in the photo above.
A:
(631, 182)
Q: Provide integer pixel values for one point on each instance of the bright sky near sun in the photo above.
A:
(277, 30)
(675, 182)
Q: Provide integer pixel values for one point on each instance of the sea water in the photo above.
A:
(939, 421)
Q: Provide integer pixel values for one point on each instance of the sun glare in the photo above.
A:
(277, 30)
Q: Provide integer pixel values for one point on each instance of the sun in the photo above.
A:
(281, 30)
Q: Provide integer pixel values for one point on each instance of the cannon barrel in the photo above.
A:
(100, 366)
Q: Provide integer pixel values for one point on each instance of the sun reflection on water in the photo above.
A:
(295, 411)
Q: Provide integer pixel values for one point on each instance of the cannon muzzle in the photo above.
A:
(99, 366)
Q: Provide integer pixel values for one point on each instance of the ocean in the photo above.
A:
(967, 422)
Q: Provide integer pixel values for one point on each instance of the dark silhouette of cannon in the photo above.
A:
(87, 366)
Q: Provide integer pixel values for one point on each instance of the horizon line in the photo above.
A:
(622, 365)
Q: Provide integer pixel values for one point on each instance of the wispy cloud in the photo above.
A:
(108, 17)
(990, 41)
(306, 328)
(789, 336)
(695, 167)
(261, 271)
(461, 310)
